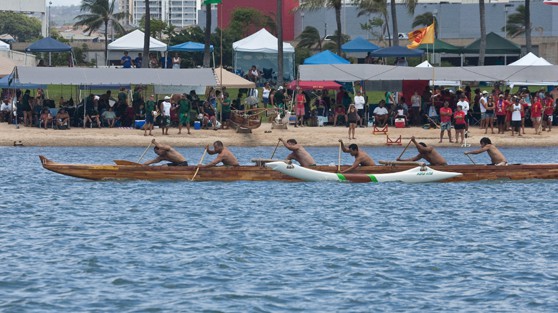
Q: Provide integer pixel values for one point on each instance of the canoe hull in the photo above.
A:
(413, 175)
(260, 173)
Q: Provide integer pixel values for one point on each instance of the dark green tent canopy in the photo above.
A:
(495, 44)
(440, 47)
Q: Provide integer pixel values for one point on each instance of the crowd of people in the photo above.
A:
(165, 61)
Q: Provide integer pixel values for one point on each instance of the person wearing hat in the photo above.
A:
(483, 103)
(165, 109)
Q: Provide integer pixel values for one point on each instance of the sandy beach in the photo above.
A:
(263, 136)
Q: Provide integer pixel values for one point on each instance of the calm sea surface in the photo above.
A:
(71, 245)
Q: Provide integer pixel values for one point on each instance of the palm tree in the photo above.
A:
(426, 19)
(528, 25)
(410, 4)
(310, 38)
(515, 25)
(100, 13)
(279, 23)
(336, 5)
(146, 35)
(482, 47)
(375, 6)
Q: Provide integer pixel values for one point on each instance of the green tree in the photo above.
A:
(318, 4)
(515, 25)
(371, 24)
(309, 38)
(99, 14)
(410, 4)
(376, 7)
(426, 19)
(20, 26)
(246, 21)
(157, 27)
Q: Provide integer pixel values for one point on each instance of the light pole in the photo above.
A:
(506, 6)
(48, 29)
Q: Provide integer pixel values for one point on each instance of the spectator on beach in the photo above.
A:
(224, 155)
(266, 92)
(360, 102)
(126, 60)
(516, 109)
(165, 109)
(176, 60)
(6, 110)
(416, 102)
(27, 108)
(548, 113)
(253, 74)
(153, 63)
(138, 61)
(536, 115)
(445, 121)
(340, 112)
(459, 119)
(352, 117)
(46, 118)
(109, 117)
(361, 157)
(150, 114)
(300, 107)
(298, 154)
(184, 108)
(208, 116)
(381, 114)
(62, 119)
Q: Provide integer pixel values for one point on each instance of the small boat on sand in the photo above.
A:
(419, 174)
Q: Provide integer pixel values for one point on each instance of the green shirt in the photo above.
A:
(227, 105)
(184, 106)
(150, 106)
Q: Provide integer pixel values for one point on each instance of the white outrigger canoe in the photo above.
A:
(419, 174)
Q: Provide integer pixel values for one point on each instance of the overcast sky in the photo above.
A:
(65, 2)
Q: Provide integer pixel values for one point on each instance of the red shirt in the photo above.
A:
(548, 106)
(445, 114)
(500, 107)
(300, 99)
(536, 109)
(459, 117)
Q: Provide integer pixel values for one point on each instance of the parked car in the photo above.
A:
(400, 36)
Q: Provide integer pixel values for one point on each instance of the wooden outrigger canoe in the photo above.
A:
(125, 170)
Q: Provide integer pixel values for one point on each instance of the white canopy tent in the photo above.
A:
(77, 76)
(531, 59)
(440, 82)
(355, 72)
(260, 49)
(4, 46)
(134, 42)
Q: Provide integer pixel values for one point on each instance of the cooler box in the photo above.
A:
(197, 125)
(139, 123)
(399, 123)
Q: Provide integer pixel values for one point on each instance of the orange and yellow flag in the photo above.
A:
(420, 36)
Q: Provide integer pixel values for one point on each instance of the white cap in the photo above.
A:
(484, 92)
(280, 88)
(167, 98)
(96, 98)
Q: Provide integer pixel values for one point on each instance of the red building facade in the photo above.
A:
(267, 7)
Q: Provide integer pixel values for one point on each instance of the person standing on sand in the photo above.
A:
(361, 157)
(224, 156)
(426, 152)
(167, 153)
(445, 121)
(298, 154)
(165, 115)
(184, 108)
(353, 117)
(150, 114)
(496, 156)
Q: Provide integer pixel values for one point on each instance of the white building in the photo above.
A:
(180, 13)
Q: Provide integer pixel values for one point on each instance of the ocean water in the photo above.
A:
(72, 245)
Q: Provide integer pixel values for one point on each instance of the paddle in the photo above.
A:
(471, 159)
(144, 152)
(199, 164)
(339, 159)
(278, 141)
(407, 146)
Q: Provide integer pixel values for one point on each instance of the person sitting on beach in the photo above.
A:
(381, 114)
(340, 111)
(62, 119)
(361, 157)
(224, 156)
(426, 152)
(45, 118)
(208, 115)
(109, 117)
(6, 109)
(167, 153)
(496, 156)
(298, 154)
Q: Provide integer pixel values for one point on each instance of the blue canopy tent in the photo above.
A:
(359, 44)
(50, 44)
(191, 46)
(397, 51)
(325, 57)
